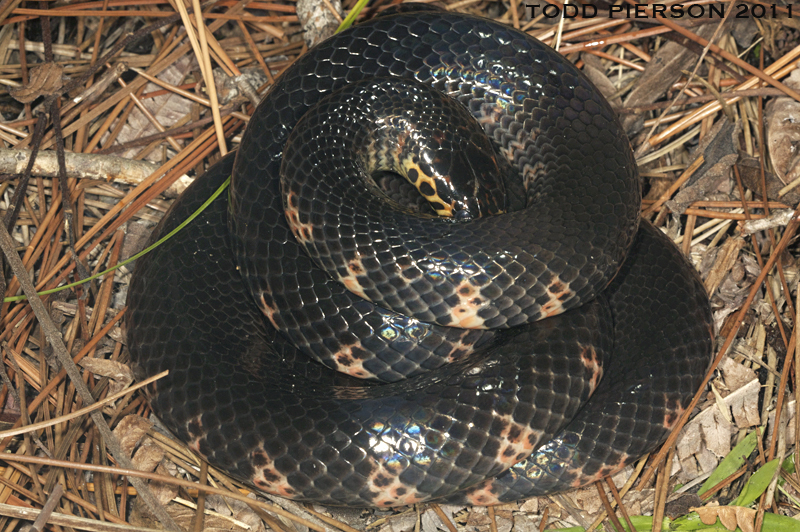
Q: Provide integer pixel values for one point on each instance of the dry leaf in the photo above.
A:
(729, 516)
(707, 438)
(750, 170)
(120, 374)
(734, 289)
(108, 368)
(431, 521)
(726, 258)
(479, 520)
(147, 455)
(531, 505)
(719, 149)
(44, 79)
(233, 509)
(167, 109)
(789, 410)
(783, 133)
(524, 522)
(402, 522)
(661, 72)
(735, 375)
(317, 20)
(129, 431)
(212, 521)
(744, 405)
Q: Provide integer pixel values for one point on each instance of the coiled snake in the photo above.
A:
(479, 402)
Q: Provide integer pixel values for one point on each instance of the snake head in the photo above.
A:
(458, 175)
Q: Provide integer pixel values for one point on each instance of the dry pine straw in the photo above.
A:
(184, 138)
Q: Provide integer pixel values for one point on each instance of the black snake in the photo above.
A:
(366, 283)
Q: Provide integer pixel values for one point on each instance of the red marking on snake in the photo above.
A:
(606, 471)
(558, 292)
(481, 495)
(514, 146)
(267, 478)
(593, 364)
(350, 279)
(465, 313)
(399, 499)
(302, 232)
(349, 361)
(384, 483)
(519, 440)
(459, 350)
(397, 494)
(195, 428)
(194, 445)
(268, 311)
(270, 481)
(672, 415)
(529, 173)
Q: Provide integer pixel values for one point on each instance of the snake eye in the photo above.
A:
(463, 216)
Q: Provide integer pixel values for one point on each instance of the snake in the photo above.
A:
(516, 332)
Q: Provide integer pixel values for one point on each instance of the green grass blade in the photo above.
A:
(731, 463)
(757, 484)
(145, 251)
(351, 17)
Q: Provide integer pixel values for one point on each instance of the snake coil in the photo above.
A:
(470, 396)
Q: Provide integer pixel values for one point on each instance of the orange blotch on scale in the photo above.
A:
(672, 416)
(344, 360)
(399, 496)
(194, 445)
(593, 364)
(268, 311)
(519, 442)
(270, 481)
(267, 478)
(606, 471)
(482, 495)
(348, 361)
(195, 428)
(302, 232)
(384, 483)
(459, 350)
(350, 279)
(465, 313)
(559, 292)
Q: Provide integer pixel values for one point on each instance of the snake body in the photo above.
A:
(489, 413)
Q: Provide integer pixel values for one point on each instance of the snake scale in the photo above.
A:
(450, 385)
